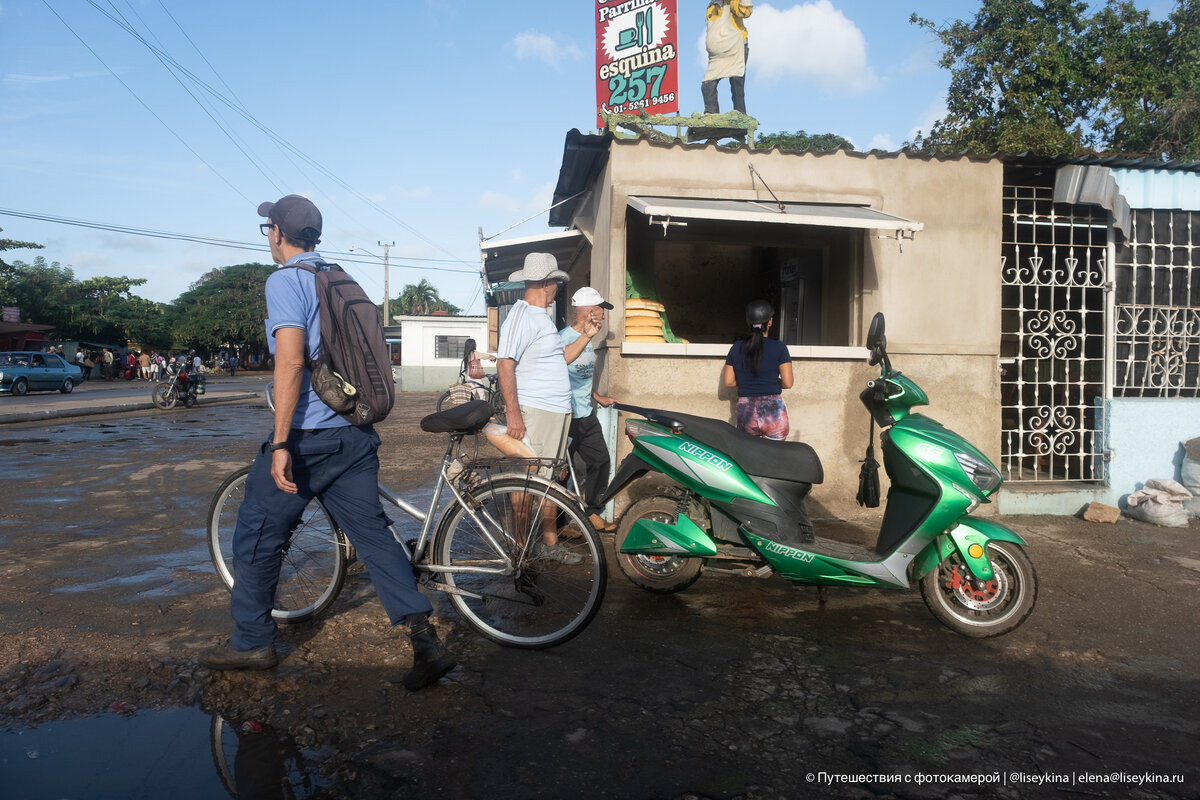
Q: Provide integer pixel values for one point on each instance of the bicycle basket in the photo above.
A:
(460, 393)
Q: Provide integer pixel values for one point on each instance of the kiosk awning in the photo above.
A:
(502, 258)
(664, 209)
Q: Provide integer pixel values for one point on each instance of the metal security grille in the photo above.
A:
(449, 346)
(1157, 328)
(1053, 276)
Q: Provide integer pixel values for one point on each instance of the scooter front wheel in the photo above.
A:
(983, 608)
(654, 573)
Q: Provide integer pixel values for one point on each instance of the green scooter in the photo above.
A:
(737, 507)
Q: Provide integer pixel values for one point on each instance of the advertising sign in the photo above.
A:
(637, 57)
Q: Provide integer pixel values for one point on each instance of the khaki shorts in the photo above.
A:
(546, 433)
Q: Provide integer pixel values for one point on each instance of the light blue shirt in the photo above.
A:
(292, 303)
(581, 371)
(528, 337)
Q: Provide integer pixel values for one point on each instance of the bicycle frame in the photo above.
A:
(417, 555)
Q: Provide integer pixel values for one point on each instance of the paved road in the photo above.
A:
(112, 397)
(736, 688)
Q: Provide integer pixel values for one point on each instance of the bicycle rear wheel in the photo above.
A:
(516, 595)
(314, 559)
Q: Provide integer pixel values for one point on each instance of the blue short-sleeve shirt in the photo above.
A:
(582, 372)
(292, 303)
(529, 338)
(766, 382)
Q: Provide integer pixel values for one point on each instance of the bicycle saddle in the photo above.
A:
(469, 417)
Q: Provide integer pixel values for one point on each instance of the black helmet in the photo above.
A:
(758, 312)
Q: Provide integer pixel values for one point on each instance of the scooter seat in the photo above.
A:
(789, 461)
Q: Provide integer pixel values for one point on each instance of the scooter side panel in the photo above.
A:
(684, 538)
(803, 566)
(706, 472)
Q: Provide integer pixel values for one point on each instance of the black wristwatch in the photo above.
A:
(273, 446)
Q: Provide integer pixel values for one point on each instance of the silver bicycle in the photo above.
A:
(482, 547)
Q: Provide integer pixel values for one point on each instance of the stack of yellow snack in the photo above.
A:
(643, 320)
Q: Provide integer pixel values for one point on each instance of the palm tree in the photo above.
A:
(420, 299)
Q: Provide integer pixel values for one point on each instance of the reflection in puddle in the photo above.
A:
(179, 753)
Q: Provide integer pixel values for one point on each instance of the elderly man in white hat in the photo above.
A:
(533, 377)
(586, 435)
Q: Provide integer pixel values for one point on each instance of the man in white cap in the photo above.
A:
(533, 377)
(587, 438)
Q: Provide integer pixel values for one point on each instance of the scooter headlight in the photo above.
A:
(985, 477)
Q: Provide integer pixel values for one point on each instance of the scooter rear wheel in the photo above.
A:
(983, 608)
(659, 574)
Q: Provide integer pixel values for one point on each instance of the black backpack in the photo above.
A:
(352, 373)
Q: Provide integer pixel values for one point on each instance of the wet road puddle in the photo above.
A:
(179, 753)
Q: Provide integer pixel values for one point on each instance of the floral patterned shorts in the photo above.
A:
(765, 417)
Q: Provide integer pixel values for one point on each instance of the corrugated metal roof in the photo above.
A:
(584, 156)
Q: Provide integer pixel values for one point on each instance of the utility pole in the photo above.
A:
(387, 315)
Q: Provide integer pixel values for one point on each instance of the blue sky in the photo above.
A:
(412, 123)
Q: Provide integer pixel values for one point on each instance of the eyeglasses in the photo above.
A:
(266, 228)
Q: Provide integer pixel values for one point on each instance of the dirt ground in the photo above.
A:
(737, 688)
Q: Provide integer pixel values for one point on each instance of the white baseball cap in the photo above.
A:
(587, 296)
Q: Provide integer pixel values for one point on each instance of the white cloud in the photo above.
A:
(493, 200)
(881, 141)
(814, 42)
(931, 115)
(28, 79)
(545, 48)
(543, 197)
(418, 191)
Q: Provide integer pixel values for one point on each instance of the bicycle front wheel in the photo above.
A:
(502, 579)
(314, 559)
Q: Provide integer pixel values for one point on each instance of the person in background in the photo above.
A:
(586, 435)
(232, 362)
(760, 368)
(144, 366)
(472, 368)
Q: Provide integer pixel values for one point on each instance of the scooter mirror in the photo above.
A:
(875, 332)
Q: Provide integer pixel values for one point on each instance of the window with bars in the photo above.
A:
(1053, 277)
(1157, 325)
(449, 346)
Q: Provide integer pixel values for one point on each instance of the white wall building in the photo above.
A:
(431, 350)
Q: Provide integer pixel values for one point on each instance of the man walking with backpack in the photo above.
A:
(312, 451)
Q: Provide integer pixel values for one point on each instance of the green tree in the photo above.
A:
(1023, 78)
(225, 308)
(802, 141)
(40, 289)
(1152, 71)
(9, 244)
(1043, 76)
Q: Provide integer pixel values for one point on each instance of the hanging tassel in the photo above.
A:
(868, 475)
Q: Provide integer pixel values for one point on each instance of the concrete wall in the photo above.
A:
(420, 370)
(940, 293)
(1144, 435)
